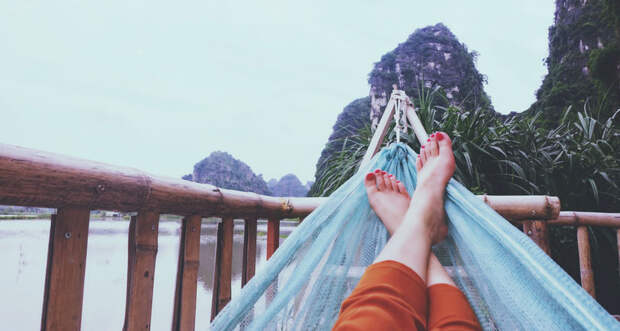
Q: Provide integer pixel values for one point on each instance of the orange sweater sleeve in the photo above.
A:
(449, 309)
(389, 296)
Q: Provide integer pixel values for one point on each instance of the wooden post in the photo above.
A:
(273, 241)
(377, 138)
(66, 265)
(143, 230)
(249, 250)
(537, 231)
(585, 263)
(618, 243)
(222, 273)
(187, 275)
(273, 236)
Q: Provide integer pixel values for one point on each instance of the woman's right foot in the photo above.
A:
(435, 166)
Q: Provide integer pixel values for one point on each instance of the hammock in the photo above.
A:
(509, 281)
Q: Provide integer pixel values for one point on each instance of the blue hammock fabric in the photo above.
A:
(509, 281)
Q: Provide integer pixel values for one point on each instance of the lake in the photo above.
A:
(24, 244)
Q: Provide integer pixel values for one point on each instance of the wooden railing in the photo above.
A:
(75, 187)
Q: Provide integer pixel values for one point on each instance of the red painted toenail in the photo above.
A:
(428, 140)
(383, 172)
(370, 176)
(439, 136)
(432, 135)
(422, 146)
(378, 171)
(398, 182)
(391, 175)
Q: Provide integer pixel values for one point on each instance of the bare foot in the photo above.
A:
(388, 197)
(390, 200)
(435, 167)
(435, 163)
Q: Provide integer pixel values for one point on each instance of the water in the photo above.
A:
(24, 252)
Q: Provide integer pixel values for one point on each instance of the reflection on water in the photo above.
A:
(24, 252)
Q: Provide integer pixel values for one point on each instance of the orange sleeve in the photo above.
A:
(449, 309)
(389, 296)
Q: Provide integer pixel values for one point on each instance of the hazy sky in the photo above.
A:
(159, 85)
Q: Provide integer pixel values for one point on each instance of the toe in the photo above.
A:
(386, 181)
(423, 154)
(444, 142)
(393, 183)
(432, 147)
(380, 181)
(427, 151)
(370, 183)
(401, 188)
(418, 163)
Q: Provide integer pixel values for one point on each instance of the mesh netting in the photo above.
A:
(508, 280)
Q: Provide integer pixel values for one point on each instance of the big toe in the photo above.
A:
(370, 182)
(444, 143)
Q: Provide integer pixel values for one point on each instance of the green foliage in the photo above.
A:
(603, 62)
(338, 167)
(578, 160)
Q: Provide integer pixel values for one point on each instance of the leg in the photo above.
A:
(392, 293)
(421, 224)
(448, 308)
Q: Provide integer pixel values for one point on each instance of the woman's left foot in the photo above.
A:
(388, 197)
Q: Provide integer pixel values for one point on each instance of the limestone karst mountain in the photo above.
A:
(288, 186)
(223, 170)
(584, 59)
(431, 57)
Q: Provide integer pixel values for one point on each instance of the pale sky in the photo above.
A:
(159, 85)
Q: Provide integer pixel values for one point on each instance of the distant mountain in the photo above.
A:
(584, 60)
(223, 170)
(288, 186)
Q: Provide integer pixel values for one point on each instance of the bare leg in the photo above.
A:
(415, 223)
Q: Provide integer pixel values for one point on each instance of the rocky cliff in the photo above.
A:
(584, 58)
(288, 186)
(431, 57)
(223, 170)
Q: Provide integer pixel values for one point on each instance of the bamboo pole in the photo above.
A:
(142, 251)
(585, 262)
(524, 207)
(379, 135)
(66, 266)
(223, 266)
(184, 313)
(577, 218)
(273, 236)
(249, 250)
(537, 231)
(40, 179)
(416, 124)
(32, 178)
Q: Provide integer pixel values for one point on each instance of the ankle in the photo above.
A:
(428, 193)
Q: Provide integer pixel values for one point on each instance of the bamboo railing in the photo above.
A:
(75, 187)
